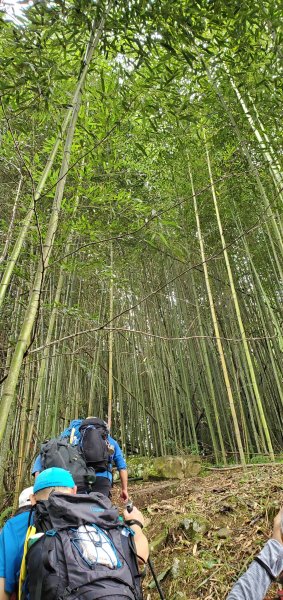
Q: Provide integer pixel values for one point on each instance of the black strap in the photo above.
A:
(134, 522)
(137, 592)
(38, 589)
(132, 545)
(32, 509)
(39, 577)
(266, 568)
(66, 566)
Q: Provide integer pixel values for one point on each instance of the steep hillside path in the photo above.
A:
(206, 530)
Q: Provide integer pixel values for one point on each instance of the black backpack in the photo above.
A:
(68, 561)
(59, 453)
(94, 443)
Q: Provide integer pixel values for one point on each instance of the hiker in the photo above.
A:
(97, 451)
(264, 569)
(62, 484)
(24, 500)
(12, 539)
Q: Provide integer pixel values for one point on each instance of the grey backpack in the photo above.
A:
(85, 551)
(59, 453)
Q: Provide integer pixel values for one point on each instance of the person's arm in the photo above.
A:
(141, 542)
(254, 584)
(124, 484)
(37, 466)
(12, 540)
(121, 465)
(3, 595)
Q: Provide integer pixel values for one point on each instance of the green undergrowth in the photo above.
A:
(177, 533)
(253, 460)
(234, 512)
(5, 514)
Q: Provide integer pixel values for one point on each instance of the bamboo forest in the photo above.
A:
(141, 233)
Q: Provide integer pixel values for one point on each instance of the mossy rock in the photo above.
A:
(162, 467)
(137, 465)
(158, 542)
(194, 526)
(172, 467)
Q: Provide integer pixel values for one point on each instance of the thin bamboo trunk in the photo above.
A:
(94, 368)
(110, 344)
(238, 312)
(44, 360)
(30, 213)
(21, 445)
(10, 229)
(268, 210)
(217, 332)
(210, 387)
(278, 176)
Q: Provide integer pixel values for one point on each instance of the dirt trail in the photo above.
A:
(237, 509)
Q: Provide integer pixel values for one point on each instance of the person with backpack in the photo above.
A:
(24, 500)
(80, 547)
(12, 539)
(85, 533)
(87, 450)
(265, 568)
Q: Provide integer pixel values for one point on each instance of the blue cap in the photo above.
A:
(53, 477)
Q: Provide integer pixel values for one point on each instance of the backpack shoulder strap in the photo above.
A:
(46, 546)
(131, 557)
(133, 548)
(23, 572)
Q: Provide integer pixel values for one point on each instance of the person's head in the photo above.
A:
(53, 480)
(105, 422)
(25, 497)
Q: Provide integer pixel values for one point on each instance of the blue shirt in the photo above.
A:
(117, 457)
(12, 539)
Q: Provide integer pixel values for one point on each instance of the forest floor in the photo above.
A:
(206, 530)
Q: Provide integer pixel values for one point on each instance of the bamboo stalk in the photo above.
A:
(237, 310)
(277, 175)
(217, 332)
(110, 343)
(30, 213)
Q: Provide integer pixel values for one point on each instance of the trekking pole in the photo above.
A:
(129, 507)
(155, 579)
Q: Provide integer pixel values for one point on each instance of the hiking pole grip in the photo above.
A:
(129, 506)
(155, 578)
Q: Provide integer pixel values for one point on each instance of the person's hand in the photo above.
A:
(277, 533)
(134, 514)
(124, 495)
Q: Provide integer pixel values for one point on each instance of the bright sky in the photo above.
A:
(14, 8)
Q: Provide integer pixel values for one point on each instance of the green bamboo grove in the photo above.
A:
(141, 227)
